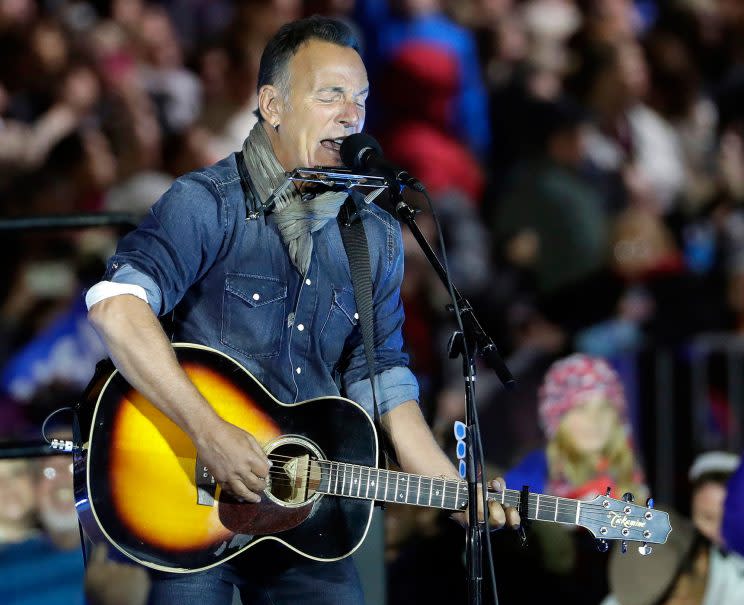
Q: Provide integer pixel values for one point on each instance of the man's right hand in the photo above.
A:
(235, 459)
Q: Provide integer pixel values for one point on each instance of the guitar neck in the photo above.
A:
(369, 483)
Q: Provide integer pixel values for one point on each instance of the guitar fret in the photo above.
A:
(402, 494)
(357, 481)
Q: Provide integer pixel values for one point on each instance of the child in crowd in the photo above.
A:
(589, 446)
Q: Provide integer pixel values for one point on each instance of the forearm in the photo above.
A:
(415, 447)
(142, 353)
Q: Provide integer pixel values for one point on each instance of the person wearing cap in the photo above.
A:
(583, 413)
(708, 476)
(686, 570)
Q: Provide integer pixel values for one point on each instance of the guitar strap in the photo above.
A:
(357, 250)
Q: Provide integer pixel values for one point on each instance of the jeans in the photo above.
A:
(305, 581)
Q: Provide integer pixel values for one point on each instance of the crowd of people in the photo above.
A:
(585, 159)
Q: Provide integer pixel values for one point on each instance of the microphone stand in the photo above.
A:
(466, 344)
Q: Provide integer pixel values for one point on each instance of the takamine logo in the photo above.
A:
(617, 520)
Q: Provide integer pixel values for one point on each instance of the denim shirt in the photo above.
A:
(230, 284)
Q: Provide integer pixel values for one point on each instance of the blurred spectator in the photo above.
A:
(174, 89)
(25, 146)
(686, 569)
(708, 475)
(550, 220)
(676, 93)
(611, 20)
(583, 413)
(416, 131)
(16, 501)
(229, 74)
(40, 554)
(389, 24)
(630, 142)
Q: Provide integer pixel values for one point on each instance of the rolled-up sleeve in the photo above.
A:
(175, 244)
(392, 387)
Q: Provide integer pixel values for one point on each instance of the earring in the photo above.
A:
(276, 127)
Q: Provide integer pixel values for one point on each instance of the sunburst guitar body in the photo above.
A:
(139, 483)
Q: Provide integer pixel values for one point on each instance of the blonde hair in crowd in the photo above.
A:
(566, 461)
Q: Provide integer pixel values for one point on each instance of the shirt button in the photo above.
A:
(298, 370)
(256, 296)
(308, 282)
(300, 327)
(356, 315)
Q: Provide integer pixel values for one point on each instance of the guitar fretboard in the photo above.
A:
(368, 483)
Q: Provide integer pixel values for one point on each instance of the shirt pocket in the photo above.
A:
(253, 314)
(342, 318)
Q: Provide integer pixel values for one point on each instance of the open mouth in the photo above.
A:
(332, 144)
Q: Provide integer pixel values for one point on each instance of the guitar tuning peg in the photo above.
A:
(650, 502)
(628, 497)
(645, 549)
(602, 545)
(624, 547)
(608, 491)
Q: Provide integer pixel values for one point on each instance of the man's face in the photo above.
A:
(327, 92)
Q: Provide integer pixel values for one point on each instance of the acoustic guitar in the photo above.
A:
(140, 485)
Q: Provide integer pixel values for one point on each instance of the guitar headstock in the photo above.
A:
(612, 519)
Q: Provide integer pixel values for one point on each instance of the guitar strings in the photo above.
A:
(589, 512)
(510, 498)
(327, 465)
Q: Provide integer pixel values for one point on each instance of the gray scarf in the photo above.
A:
(295, 218)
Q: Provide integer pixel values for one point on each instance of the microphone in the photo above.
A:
(362, 152)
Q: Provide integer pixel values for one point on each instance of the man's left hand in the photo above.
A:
(498, 515)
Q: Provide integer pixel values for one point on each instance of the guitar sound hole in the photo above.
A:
(294, 476)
